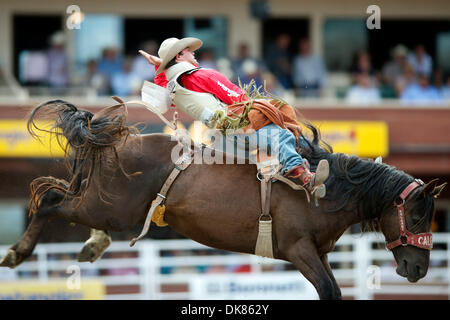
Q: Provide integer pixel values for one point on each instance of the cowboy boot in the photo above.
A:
(312, 181)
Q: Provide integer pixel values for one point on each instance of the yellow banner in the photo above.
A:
(359, 138)
(15, 141)
(51, 290)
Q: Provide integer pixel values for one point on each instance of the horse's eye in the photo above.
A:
(415, 218)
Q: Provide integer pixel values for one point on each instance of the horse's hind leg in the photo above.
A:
(303, 254)
(25, 246)
(95, 246)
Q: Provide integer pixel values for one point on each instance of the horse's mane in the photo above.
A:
(355, 184)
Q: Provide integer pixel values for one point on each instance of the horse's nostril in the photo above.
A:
(421, 272)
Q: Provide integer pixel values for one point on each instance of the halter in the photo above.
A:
(421, 240)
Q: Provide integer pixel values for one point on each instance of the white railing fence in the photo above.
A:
(184, 269)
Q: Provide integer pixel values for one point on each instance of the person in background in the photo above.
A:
(421, 92)
(33, 68)
(278, 60)
(308, 71)
(409, 77)
(445, 91)
(206, 59)
(438, 78)
(362, 64)
(242, 57)
(395, 68)
(110, 63)
(95, 79)
(251, 72)
(421, 61)
(126, 83)
(58, 70)
(224, 66)
(140, 65)
(364, 92)
(274, 87)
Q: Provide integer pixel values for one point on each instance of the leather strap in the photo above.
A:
(408, 190)
(293, 185)
(266, 188)
(182, 164)
(421, 240)
(264, 246)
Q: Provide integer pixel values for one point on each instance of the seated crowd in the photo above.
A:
(410, 76)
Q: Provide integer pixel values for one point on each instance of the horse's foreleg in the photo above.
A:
(95, 246)
(303, 254)
(336, 289)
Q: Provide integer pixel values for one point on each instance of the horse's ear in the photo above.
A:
(429, 187)
(379, 160)
(437, 190)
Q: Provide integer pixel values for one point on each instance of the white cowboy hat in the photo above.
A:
(399, 50)
(171, 47)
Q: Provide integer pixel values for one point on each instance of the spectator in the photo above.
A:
(125, 82)
(140, 65)
(438, 78)
(445, 91)
(33, 68)
(421, 61)
(362, 64)
(395, 68)
(278, 60)
(273, 87)
(224, 67)
(308, 72)
(421, 92)
(110, 63)
(243, 56)
(250, 72)
(58, 74)
(95, 79)
(364, 91)
(408, 78)
(206, 59)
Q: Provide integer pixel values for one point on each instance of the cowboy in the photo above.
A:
(202, 92)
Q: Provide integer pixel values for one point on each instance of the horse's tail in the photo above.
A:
(90, 140)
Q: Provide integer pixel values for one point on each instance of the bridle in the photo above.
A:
(421, 240)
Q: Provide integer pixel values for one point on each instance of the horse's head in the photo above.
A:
(407, 228)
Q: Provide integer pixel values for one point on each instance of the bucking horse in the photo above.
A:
(116, 172)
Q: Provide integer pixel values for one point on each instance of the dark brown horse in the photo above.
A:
(117, 173)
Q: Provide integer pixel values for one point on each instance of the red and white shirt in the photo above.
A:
(208, 81)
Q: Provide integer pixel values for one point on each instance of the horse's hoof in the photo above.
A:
(92, 251)
(9, 260)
